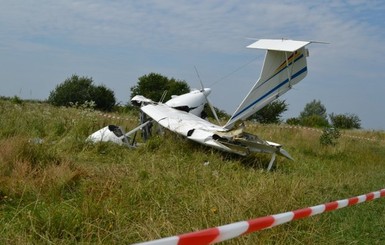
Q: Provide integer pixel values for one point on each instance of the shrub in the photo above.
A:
(345, 121)
(293, 121)
(271, 113)
(16, 100)
(103, 97)
(314, 121)
(330, 136)
(78, 90)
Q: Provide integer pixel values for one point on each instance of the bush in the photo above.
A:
(16, 100)
(293, 121)
(314, 121)
(78, 90)
(104, 98)
(330, 136)
(271, 113)
(345, 121)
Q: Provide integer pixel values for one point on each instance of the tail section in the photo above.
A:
(284, 65)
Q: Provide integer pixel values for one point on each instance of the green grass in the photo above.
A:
(57, 189)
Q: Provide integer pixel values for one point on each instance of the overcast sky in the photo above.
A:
(116, 41)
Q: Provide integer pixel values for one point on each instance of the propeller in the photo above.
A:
(213, 110)
(206, 96)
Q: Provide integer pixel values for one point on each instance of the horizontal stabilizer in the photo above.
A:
(278, 44)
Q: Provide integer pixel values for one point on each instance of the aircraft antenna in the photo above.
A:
(234, 71)
(199, 78)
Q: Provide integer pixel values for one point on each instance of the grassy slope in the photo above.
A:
(67, 191)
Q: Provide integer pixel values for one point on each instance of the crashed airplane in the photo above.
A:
(284, 66)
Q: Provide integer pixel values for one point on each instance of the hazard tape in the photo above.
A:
(116, 117)
(226, 232)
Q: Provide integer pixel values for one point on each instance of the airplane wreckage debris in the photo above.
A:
(284, 66)
(115, 134)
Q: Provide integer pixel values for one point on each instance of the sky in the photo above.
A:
(42, 43)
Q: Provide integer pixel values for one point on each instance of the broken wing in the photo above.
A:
(206, 133)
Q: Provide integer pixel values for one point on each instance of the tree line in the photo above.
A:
(314, 115)
(79, 90)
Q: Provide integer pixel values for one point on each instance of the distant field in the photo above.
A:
(57, 189)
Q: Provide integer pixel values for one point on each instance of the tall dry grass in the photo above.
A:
(57, 189)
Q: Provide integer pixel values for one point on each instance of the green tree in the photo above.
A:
(315, 107)
(79, 90)
(153, 86)
(104, 98)
(271, 113)
(345, 121)
(314, 115)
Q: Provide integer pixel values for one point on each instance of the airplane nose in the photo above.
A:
(206, 91)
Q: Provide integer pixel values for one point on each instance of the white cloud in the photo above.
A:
(170, 35)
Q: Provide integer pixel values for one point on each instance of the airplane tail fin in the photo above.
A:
(284, 65)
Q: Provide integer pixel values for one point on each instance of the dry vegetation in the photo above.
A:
(57, 189)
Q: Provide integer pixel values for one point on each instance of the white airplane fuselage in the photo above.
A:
(192, 102)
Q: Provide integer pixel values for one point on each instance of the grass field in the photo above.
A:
(57, 189)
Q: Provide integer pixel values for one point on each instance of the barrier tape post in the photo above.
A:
(226, 232)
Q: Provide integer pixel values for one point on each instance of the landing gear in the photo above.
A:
(271, 161)
(146, 130)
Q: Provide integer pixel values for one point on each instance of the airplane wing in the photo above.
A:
(178, 121)
(206, 133)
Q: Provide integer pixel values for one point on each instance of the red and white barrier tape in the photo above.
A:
(110, 116)
(225, 232)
